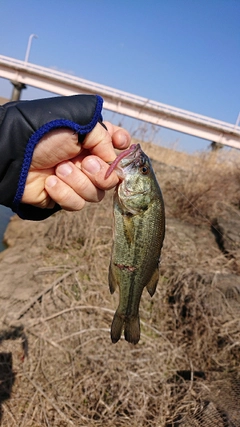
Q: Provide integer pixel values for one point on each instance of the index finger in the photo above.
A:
(101, 142)
(120, 137)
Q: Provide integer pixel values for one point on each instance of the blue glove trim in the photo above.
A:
(35, 138)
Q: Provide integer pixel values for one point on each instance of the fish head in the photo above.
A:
(135, 191)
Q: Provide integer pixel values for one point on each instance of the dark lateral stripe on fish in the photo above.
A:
(131, 295)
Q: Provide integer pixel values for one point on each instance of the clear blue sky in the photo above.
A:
(185, 53)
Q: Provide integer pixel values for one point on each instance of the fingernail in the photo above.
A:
(122, 140)
(51, 181)
(65, 169)
(91, 165)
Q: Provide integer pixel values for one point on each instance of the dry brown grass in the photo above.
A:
(188, 357)
(211, 184)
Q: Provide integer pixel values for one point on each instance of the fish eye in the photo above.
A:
(144, 170)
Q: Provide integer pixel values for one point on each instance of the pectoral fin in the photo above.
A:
(152, 284)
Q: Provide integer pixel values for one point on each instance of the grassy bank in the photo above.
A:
(185, 369)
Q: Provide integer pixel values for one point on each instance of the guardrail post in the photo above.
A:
(17, 90)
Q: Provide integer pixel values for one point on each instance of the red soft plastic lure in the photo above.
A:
(118, 159)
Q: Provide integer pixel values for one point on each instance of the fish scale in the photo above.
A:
(139, 228)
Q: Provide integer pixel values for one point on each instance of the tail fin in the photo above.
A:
(132, 329)
(117, 327)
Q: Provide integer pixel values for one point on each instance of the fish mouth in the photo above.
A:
(129, 156)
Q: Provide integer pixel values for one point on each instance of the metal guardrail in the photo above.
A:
(24, 69)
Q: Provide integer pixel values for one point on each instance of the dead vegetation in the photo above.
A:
(184, 371)
(211, 185)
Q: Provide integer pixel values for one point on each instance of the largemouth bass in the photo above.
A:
(139, 228)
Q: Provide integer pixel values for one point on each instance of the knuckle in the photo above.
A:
(72, 202)
(81, 184)
(67, 198)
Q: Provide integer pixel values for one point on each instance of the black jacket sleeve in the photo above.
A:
(22, 125)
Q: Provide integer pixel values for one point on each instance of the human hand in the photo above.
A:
(69, 173)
